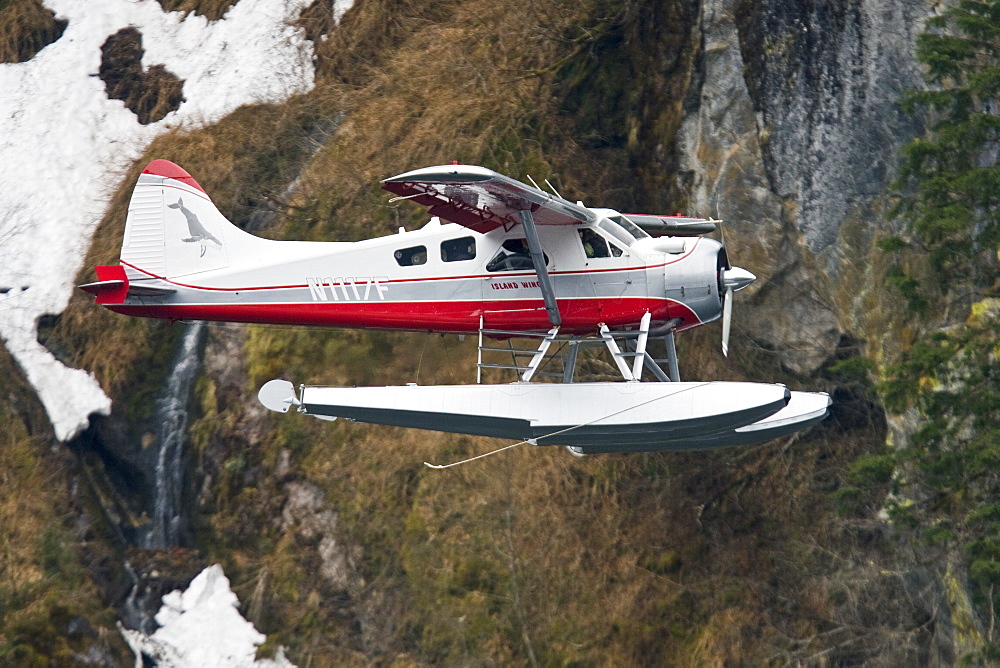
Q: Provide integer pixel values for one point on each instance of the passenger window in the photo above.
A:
(455, 250)
(407, 257)
(513, 256)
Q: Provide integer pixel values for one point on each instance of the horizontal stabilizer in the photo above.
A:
(149, 290)
(114, 286)
(111, 286)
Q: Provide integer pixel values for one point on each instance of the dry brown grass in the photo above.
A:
(22, 515)
(210, 9)
(429, 91)
(368, 35)
(26, 27)
(151, 93)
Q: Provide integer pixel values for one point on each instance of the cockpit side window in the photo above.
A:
(407, 257)
(513, 256)
(594, 245)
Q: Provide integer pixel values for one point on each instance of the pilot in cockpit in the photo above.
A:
(593, 244)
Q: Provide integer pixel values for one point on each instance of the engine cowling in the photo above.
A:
(704, 282)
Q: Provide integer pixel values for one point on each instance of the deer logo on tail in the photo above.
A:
(195, 228)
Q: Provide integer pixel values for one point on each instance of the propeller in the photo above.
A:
(733, 279)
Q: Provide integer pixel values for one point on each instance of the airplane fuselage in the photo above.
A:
(442, 277)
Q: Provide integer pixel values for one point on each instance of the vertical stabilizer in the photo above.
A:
(173, 229)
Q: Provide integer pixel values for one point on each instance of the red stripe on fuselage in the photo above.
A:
(580, 316)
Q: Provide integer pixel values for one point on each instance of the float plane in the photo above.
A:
(499, 259)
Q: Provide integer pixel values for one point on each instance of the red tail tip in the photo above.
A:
(169, 170)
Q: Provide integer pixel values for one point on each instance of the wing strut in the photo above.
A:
(538, 259)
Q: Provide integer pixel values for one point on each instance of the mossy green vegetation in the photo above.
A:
(950, 379)
(51, 608)
(945, 469)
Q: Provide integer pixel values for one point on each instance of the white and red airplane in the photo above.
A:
(514, 261)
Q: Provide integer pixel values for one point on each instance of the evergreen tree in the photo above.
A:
(950, 467)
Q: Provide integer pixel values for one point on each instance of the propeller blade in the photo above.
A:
(727, 319)
(733, 278)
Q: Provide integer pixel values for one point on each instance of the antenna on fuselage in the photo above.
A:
(553, 189)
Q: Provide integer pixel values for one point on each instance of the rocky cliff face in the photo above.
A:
(793, 134)
(793, 137)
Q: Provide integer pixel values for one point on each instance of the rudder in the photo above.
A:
(173, 229)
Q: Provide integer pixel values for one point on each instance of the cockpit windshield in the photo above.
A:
(622, 229)
(630, 227)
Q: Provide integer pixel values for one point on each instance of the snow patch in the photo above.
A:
(340, 7)
(65, 146)
(202, 627)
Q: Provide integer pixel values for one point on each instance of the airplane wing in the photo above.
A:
(482, 199)
(681, 226)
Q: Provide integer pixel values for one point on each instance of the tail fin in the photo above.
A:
(173, 229)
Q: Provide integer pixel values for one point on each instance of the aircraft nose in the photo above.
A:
(737, 278)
